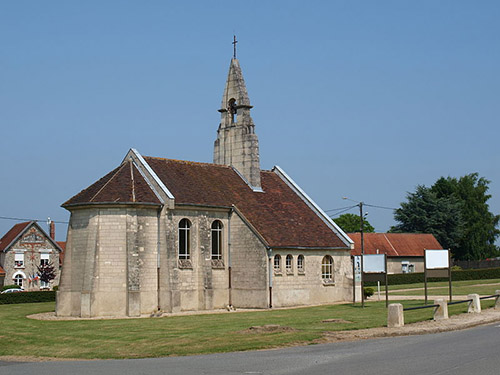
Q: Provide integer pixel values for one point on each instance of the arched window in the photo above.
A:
(300, 264)
(216, 240)
(327, 268)
(18, 280)
(231, 107)
(277, 263)
(289, 263)
(184, 239)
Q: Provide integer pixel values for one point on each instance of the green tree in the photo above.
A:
(479, 224)
(425, 212)
(351, 223)
(456, 212)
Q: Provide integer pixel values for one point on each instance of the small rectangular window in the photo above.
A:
(19, 260)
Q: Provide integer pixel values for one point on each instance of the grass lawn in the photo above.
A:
(182, 335)
(481, 287)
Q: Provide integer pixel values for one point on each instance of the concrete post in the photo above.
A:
(441, 311)
(395, 317)
(497, 300)
(475, 304)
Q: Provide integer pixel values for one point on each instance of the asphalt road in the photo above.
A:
(472, 351)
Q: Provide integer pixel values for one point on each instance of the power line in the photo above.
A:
(37, 220)
(385, 208)
(338, 209)
(347, 209)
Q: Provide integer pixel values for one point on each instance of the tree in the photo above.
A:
(479, 224)
(47, 272)
(456, 212)
(351, 223)
(425, 212)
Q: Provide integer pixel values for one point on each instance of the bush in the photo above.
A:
(13, 286)
(368, 292)
(27, 297)
(55, 288)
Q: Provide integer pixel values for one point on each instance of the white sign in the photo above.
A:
(437, 259)
(357, 268)
(374, 263)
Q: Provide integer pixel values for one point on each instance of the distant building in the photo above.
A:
(405, 251)
(22, 249)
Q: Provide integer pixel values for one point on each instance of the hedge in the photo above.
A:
(27, 297)
(413, 278)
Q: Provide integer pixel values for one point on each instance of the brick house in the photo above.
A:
(22, 249)
(170, 235)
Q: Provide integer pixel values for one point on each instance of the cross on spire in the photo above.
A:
(234, 46)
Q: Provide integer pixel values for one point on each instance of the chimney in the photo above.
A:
(52, 230)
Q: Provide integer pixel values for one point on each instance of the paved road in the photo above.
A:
(473, 351)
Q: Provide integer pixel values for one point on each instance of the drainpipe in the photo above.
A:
(270, 268)
(158, 221)
(229, 256)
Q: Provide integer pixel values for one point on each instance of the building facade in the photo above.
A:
(23, 249)
(167, 235)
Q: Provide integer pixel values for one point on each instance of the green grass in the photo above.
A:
(181, 335)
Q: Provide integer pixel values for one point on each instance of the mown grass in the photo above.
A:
(181, 335)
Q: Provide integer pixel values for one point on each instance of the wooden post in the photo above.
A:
(425, 277)
(449, 272)
(353, 279)
(386, 284)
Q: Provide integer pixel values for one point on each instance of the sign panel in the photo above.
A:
(357, 268)
(374, 263)
(437, 259)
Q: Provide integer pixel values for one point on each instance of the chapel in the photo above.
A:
(165, 235)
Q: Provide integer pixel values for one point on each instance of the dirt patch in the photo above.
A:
(341, 321)
(268, 328)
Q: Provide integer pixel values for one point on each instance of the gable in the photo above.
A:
(28, 235)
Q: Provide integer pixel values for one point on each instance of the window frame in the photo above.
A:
(327, 274)
(301, 268)
(289, 264)
(19, 263)
(17, 277)
(277, 263)
(184, 233)
(216, 239)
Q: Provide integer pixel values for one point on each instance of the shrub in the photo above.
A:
(368, 292)
(55, 288)
(27, 297)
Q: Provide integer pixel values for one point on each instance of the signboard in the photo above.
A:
(374, 263)
(437, 259)
(357, 268)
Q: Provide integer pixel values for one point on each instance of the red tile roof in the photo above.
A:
(62, 245)
(395, 244)
(12, 234)
(2, 272)
(280, 216)
(122, 185)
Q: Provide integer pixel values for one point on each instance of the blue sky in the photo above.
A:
(365, 99)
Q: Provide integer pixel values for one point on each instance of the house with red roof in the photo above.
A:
(405, 251)
(158, 234)
(24, 248)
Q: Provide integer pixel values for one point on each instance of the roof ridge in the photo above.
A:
(390, 243)
(107, 182)
(189, 162)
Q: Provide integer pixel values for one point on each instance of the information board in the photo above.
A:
(437, 259)
(374, 263)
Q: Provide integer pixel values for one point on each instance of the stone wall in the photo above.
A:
(110, 266)
(293, 288)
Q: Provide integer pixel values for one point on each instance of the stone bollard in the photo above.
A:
(475, 304)
(497, 300)
(395, 317)
(441, 311)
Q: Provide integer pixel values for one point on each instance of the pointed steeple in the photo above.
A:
(237, 144)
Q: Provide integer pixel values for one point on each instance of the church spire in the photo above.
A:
(237, 144)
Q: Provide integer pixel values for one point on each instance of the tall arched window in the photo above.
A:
(216, 240)
(327, 268)
(277, 263)
(184, 239)
(18, 280)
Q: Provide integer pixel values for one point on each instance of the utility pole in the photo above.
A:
(360, 204)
